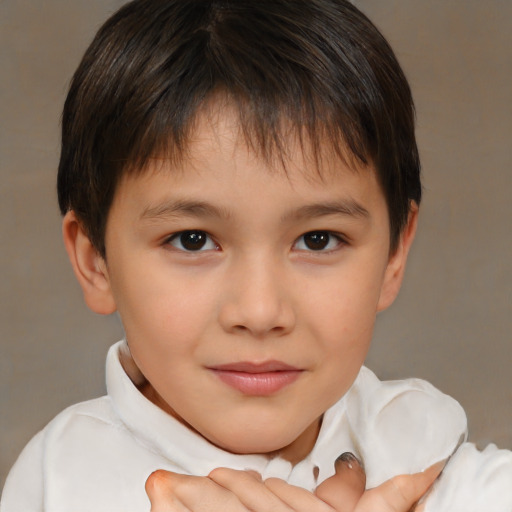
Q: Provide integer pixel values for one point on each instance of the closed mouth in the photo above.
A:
(257, 379)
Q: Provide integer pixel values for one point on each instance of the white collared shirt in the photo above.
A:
(96, 456)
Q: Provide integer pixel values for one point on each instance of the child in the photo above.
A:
(240, 181)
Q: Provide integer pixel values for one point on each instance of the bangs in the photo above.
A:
(282, 85)
(316, 70)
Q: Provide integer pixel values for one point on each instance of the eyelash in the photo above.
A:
(205, 242)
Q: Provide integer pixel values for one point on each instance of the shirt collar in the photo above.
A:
(193, 454)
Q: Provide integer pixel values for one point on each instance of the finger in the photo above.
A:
(249, 489)
(296, 498)
(344, 490)
(170, 492)
(159, 488)
(400, 493)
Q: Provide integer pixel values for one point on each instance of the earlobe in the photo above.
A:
(396, 266)
(89, 267)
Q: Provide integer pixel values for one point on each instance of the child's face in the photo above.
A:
(258, 317)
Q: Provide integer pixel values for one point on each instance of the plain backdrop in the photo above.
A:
(452, 323)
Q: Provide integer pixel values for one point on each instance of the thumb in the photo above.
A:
(344, 489)
(400, 493)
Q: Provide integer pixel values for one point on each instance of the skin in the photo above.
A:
(243, 491)
(256, 291)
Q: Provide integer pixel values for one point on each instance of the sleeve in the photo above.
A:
(474, 481)
(23, 490)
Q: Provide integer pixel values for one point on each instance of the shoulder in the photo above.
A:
(23, 490)
(402, 426)
(87, 446)
(473, 481)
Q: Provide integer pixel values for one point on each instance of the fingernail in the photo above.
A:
(348, 459)
(438, 466)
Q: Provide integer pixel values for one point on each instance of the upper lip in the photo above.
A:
(250, 367)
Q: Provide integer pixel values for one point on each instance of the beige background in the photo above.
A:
(452, 323)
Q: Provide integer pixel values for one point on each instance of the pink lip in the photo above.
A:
(257, 379)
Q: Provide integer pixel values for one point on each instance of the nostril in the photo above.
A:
(258, 333)
(251, 313)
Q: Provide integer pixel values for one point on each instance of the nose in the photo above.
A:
(257, 300)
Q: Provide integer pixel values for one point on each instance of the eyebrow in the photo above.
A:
(180, 207)
(347, 207)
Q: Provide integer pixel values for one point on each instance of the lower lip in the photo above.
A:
(258, 384)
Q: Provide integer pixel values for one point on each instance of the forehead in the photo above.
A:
(223, 173)
(219, 129)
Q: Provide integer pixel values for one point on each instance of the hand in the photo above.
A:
(399, 494)
(229, 490)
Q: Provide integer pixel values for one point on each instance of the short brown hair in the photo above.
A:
(320, 65)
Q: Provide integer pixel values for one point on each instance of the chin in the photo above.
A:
(254, 439)
(247, 443)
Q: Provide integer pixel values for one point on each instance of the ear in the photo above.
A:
(396, 265)
(89, 267)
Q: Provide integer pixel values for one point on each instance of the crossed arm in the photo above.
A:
(244, 491)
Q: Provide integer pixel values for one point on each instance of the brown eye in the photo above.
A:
(318, 241)
(192, 241)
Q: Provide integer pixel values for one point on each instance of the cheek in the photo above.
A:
(343, 310)
(341, 318)
(164, 315)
